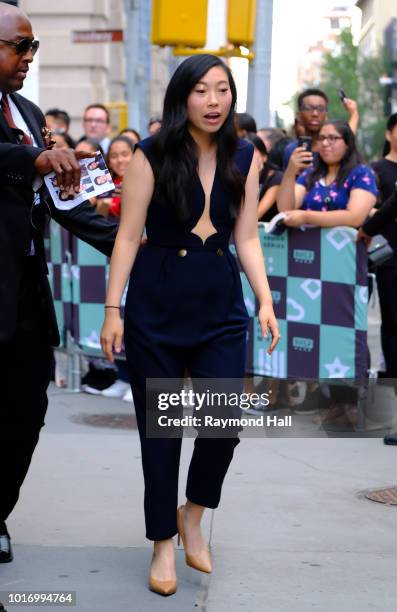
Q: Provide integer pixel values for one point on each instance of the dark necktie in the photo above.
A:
(5, 107)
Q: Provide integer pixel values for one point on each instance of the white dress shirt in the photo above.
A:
(18, 119)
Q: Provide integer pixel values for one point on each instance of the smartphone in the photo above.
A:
(342, 94)
(305, 142)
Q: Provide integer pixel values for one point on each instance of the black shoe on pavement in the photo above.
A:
(97, 380)
(5, 545)
(313, 402)
(391, 439)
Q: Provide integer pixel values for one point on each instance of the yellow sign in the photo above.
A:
(241, 21)
(118, 116)
(179, 22)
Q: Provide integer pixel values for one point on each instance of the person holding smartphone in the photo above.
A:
(338, 190)
(313, 113)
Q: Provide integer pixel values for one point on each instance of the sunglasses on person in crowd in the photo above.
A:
(23, 46)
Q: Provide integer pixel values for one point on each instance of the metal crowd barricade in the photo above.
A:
(318, 279)
(78, 278)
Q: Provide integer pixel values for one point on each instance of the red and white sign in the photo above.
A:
(97, 36)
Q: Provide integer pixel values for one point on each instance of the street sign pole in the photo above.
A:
(258, 102)
(132, 60)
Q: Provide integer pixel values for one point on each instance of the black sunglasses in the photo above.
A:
(23, 46)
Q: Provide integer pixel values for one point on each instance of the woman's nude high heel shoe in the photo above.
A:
(195, 561)
(162, 587)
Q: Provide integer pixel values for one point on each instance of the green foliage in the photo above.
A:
(374, 103)
(340, 72)
(359, 77)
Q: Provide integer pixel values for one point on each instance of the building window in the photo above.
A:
(334, 23)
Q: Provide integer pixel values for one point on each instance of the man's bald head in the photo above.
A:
(9, 13)
(14, 26)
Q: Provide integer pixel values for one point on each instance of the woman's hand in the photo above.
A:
(350, 105)
(267, 321)
(352, 108)
(361, 235)
(300, 160)
(112, 333)
(295, 218)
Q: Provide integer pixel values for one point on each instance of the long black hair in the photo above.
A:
(175, 150)
(128, 129)
(261, 147)
(350, 160)
(257, 142)
(390, 125)
(276, 155)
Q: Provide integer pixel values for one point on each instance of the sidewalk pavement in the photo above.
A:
(293, 531)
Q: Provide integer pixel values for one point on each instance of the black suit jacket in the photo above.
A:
(21, 221)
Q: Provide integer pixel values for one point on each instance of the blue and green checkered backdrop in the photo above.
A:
(318, 280)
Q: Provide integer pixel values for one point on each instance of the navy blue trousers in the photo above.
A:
(222, 357)
(183, 313)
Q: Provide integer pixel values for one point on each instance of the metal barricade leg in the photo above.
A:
(74, 364)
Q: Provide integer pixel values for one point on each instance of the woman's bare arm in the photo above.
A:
(359, 205)
(290, 195)
(268, 200)
(137, 191)
(249, 251)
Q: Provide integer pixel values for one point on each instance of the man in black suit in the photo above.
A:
(384, 222)
(28, 326)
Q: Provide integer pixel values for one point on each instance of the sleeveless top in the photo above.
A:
(183, 292)
(163, 226)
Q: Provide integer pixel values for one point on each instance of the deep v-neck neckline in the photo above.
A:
(204, 203)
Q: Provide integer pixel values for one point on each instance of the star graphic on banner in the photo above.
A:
(336, 369)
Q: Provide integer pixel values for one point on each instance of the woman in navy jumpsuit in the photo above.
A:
(185, 307)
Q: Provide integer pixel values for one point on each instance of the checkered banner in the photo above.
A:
(318, 280)
(89, 276)
(58, 247)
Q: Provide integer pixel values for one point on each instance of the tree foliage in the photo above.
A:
(359, 78)
(374, 102)
(340, 72)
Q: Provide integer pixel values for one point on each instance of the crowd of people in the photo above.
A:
(332, 185)
(191, 185)
(328, 185)
(118, 150)
(102, 379)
